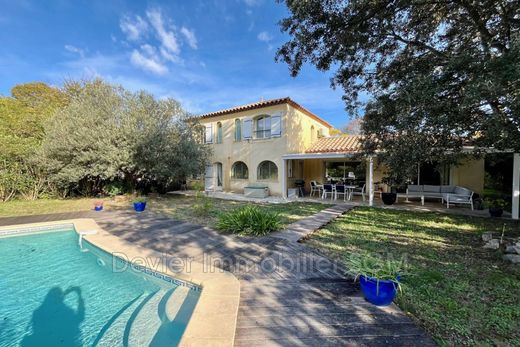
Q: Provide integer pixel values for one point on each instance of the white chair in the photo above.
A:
(359, 191)
(340, 189)
(328, 189)
(315, 187)
(462, 196)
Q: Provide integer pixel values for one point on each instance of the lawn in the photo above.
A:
(175, 206)
(181, 208)
(44, 206)
(459, 292)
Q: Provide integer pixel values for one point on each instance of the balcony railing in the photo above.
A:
(262, 134)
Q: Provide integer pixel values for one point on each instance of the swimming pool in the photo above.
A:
(53, 294)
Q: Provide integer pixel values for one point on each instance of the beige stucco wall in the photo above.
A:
(295, 137)
(301, 127)
(469, 174)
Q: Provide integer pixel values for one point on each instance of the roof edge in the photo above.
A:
(262, 104)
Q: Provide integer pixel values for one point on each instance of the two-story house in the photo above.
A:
(278, 142)
(249, 142)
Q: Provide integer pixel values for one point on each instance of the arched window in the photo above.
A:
(239, 171)
(263, 127)
(267, 170)
(238, 130)
(219, 132)
(313, 134)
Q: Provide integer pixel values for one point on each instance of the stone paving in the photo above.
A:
(290, 294)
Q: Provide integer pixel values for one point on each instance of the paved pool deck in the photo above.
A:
(290, 295)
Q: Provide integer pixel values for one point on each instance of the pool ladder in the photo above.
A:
(80, 239)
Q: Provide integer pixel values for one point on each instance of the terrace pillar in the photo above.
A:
(370, 181)
(516, 186)
(284, 178)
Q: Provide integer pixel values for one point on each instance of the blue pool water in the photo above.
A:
(52, 294)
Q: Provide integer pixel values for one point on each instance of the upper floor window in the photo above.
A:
(263, 127)
(208, 134)
(313, 134)
(267, 126)
(238, 130)
(239, 170)
(219, 132)
(267, 170)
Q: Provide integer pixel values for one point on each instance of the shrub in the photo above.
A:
(139, 199)
(375, 266)
(203, 205)
(249, 220)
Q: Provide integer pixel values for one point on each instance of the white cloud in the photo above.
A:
(74, 49)
(166, 37)
(264, 36)
(148, 62)
(135, 28)
(190, 37)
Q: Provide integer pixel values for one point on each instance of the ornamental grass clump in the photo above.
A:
(249, 220)
(368, 265)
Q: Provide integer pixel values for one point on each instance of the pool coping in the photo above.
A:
(214, 319)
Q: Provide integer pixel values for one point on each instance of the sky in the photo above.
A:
(208, 55)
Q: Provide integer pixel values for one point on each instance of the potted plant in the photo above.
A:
(98, 205)
(389, 197)
(139, 204)
(378, 278)
(496, 207)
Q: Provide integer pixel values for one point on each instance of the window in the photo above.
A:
(239, 171)
(263, 127)
(219, 132)
(267, 170)
(238, 130)
(313, 137)
(208, 134)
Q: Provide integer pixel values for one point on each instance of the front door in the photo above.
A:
(208, 178)
(214, 177)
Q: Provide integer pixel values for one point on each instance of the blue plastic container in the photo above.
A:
(98, 208)
(381, 294)
(139, 206)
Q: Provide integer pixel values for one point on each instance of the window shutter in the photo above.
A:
(248, 127)
(209, 133)
(276, 125)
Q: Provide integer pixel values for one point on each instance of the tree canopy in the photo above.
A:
(108, 134)
(87, 136)
(429, 76)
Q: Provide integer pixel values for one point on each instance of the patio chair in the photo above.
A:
(315, 187)
(328, 189)
(340, 189)
(461, 196)
(359, 191)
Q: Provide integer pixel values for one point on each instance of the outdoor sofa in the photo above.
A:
(448, 194)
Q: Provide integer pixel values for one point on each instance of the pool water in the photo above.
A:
(53, 294)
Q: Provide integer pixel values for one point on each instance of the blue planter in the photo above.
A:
(139, 206)
(98, 208)
(381, 294)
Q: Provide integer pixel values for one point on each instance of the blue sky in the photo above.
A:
(207, 54)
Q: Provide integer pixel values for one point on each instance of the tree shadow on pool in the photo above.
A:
(55, 323)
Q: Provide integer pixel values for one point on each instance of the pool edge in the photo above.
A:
(214, 319)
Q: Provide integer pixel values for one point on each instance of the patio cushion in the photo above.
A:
(462, 191)
(431, 189)
(447, 189)
(414, 188)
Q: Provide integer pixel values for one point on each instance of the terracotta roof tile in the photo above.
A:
(348, 143)
(266, 103)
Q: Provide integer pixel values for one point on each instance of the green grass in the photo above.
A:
(45, 206)
(175, 206)
(459, 292)
(181, 208)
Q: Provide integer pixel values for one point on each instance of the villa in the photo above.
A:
(281, 145)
